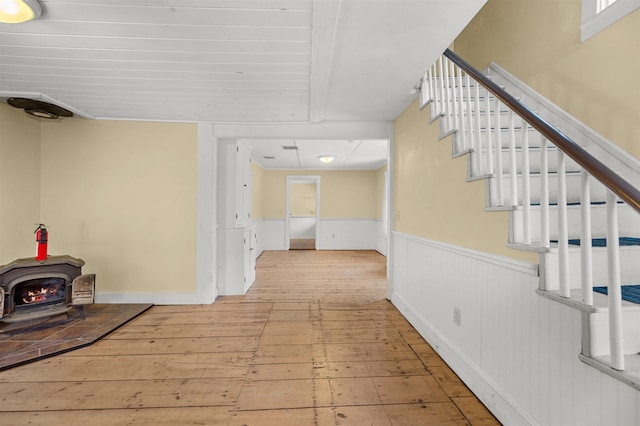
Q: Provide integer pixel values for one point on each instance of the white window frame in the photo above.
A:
(595, 20)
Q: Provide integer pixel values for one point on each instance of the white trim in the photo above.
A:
(206, 214)
(155, 298)
(493, 259)
(390, 209)
(287, 228)
(594, 21)
(325, 22)
(324, 130)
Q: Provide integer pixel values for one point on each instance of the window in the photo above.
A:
(599, 14)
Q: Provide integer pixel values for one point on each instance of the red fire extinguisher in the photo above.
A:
(42, 238)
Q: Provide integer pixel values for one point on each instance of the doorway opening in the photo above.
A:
(302, 228)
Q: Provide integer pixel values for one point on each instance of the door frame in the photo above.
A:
(293, 179)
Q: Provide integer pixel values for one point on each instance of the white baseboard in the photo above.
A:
(155, 298)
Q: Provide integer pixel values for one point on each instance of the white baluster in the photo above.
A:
(453, 92)
(489, 136)
(447, 97)
(500, 182)
(513, 162)
(442, 95)
(616, 342)
(470, 113)
(563, 228)
(431, 85)
(462, 133)
(586, 263)
(425, 96)
(544, 192)
(478, 138)
(526, 185)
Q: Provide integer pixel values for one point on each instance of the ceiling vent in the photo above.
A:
(289, 147)
(39, 109)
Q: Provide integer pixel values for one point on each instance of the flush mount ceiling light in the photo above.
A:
(17, 11)
(326, 159)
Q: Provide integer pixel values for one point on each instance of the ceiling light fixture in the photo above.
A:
(326, 159)
(39, 108)
(17, 11)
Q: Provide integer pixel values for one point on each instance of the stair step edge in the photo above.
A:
(576, 303)
(461, 153)
(631, 375)
(528, 247)
(447, 133)
(479, 177)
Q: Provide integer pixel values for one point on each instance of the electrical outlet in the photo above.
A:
(456, 315)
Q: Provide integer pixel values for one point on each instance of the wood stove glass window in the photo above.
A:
(39, 291)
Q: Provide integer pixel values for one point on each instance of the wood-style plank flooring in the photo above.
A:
(302, 244)
(313, 342)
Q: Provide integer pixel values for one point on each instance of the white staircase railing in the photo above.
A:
(512, 154)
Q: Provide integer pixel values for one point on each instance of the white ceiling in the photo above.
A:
(367, 154)
(229, 61)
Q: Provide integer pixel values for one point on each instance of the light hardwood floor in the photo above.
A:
(313, 342)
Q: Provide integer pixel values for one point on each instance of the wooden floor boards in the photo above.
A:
(302, 244)
(313, 342)
(27, 342)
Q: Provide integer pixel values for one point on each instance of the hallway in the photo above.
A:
(313, 342)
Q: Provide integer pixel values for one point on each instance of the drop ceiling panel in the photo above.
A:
(350, 154)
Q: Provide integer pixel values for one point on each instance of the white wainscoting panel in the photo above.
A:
(271, 234)
(381, 237)
(335, 234)
(258, 226)
(302, 227)
(517, 351)
(347, 234)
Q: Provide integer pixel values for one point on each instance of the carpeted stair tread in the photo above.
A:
(602, 242)
(630, 293)
(577, 203)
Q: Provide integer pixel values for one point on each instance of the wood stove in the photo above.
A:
(33, 289)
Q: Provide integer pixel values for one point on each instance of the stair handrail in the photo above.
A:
(618, 185)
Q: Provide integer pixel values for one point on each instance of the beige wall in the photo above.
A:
(19, 183)
(380, 189)
(343, 194)
(257, 190)
(432, 199)
(122, 196)
(539, 42)
(303, 199)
